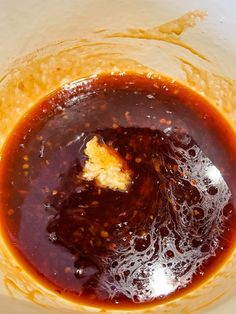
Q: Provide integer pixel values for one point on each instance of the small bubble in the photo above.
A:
(207, 181)
(52, 237)
(126, 273)
(114, 264)
(170, 254)
(60, 108)
(192, 152)
(164, 232)
(117, 277)
(210, 211)
(79, 272)
(205, 248)
(212, 190)
(149, 96)
(113, 288)
(85, 268)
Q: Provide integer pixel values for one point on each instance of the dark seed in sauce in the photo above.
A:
(171, 229)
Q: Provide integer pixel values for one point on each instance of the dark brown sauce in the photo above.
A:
(174, 226)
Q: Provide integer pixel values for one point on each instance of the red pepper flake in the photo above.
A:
(175, 168)
(157, 164)
(87, 125)
(122, 214)
(127, 116)
(143, 233)
(115, 125)
(165, 121)
(92, 230)
(23, 192)
(174, 207)
(26, 158)
(111, 246)
(103, 107)
(67, 270)
(10, 212)
(25, 166)
(138, 160)
(128, 156)
(104, 234)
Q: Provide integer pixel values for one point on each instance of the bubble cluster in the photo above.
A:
(177, 248)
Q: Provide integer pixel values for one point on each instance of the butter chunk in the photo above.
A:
(105, 166)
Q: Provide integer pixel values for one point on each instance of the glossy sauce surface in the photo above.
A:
(173, 227)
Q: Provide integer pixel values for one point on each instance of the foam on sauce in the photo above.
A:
(170, 228)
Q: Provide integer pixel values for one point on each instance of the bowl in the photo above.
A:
(48, 44)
